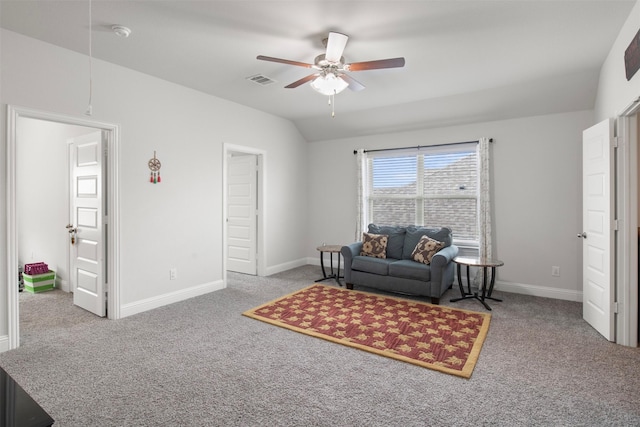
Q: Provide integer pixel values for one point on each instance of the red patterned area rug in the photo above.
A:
(436, 337)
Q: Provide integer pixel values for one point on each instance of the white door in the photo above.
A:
(598, 253)
(241, 213)
(87, 218)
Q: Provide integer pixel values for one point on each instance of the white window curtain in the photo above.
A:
(361, 160)
(484, 206)
(484, 199)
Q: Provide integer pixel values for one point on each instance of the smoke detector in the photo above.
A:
(121, 31)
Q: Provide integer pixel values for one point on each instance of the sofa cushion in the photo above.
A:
(395, 244)
(379, 266)
(414, 233)
(426, 249)
(374, 245)
(408, 269)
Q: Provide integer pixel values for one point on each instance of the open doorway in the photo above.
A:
(38, 201)
(243, 204)
(42, 194)
(242, 210)
(628, 220)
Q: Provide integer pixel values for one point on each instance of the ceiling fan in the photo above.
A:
(331, 77)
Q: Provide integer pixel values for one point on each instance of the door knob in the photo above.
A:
(582, 235)
(72, 233)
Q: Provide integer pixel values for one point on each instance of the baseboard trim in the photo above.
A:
(285, 266)
(538, 291)
(4, 343)
(63, 285)
(513, 287)
(533, 290)
(170, 298)
(327, 262)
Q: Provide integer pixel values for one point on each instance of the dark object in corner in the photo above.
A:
(17, 408)
(632, 56)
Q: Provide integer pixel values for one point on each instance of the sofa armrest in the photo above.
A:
(444, 256)
(348, 252)
(351, 250)
(442, 268)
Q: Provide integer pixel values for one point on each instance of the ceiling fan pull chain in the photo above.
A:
(332, 101)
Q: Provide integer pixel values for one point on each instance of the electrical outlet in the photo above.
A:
(555, 271)
(173, 273)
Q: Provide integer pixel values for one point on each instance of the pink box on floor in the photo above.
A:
(36, 268)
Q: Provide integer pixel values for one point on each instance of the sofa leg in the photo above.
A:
(349, 285)
(435, 301)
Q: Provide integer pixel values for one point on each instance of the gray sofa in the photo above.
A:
(398, 272)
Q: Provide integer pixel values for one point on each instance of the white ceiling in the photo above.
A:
(466, 61)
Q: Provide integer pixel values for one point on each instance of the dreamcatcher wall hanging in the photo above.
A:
(154, 166)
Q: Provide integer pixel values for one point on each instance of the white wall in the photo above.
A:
(177, 223)
(615, 94)
(536, 195)
(614, 91)
(42, 189)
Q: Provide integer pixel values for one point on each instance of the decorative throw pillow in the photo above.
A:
(395, 243)
(414, 232)
(374, 245)
(426, 249)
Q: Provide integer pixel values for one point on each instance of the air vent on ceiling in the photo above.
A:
(261, 79)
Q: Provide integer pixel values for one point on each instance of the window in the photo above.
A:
(432, 186)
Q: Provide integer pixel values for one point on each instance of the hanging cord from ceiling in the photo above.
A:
(332, 103)
(90, 107)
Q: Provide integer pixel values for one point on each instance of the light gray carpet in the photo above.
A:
(201, 363)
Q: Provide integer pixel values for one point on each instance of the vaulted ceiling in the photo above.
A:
(466, 61)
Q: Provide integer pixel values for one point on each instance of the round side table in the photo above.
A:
(331, 249)
(485, 291)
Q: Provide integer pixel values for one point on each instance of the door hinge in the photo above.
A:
(615, 307)
(615, 142)
(615, 225)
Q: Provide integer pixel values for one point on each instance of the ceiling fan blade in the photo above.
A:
(335, 46)
(353, 83)
(301, 81)
(284, 61)
(375, 65)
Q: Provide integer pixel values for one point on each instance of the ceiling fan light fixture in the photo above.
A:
(329, 84)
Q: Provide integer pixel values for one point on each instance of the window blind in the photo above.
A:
(431, 186)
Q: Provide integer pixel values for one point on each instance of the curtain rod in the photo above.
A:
(419, 146)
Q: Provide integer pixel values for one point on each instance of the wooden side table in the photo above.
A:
(485, 291)
(331, 249)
